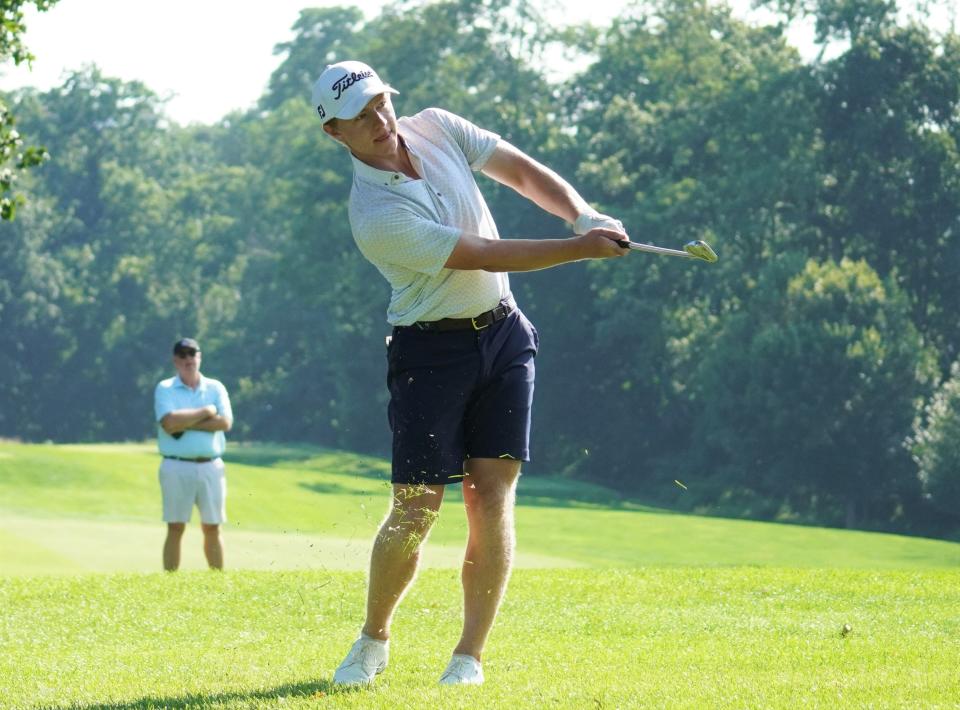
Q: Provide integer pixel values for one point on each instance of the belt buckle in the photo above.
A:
(473, 322)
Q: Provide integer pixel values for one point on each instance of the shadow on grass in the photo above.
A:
(534, 491)
(365, 470)
(271, 454)
(337, 489)
(308, 457)
(546, 492)
(316, 690)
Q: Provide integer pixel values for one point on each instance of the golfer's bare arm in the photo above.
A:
(217, 422)
(545, 188)
(512, 167)
(183, 419)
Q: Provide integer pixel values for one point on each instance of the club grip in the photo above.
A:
(623, 243)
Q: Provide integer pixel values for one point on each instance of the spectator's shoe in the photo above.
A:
(462, 670)
(366, 659)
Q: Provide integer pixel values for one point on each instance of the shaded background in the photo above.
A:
(810, 375)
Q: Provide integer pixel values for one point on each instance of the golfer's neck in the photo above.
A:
(192, 380)
(397, 161)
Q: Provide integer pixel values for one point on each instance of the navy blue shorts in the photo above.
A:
(461, 394)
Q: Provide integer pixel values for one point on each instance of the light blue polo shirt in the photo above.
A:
(172, 394)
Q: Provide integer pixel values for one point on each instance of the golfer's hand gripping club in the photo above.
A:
(594, 220)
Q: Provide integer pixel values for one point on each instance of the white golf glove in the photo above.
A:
(594, 220)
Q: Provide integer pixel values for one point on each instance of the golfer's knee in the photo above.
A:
(210, 530)
(494, 498)
(176, 529)
(407, 525)
(412, 521)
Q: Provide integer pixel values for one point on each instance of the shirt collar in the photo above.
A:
(382, 177)
(177, 382)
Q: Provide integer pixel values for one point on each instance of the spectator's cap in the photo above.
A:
(344, 88)
(185, 344)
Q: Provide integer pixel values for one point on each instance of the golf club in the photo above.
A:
(698, 249)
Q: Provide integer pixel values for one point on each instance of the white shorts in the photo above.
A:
(185, 483)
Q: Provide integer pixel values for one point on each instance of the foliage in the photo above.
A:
(14, 156)
(840, 19)
(890, 187)
(936, 444)
(679, 119)
(323, 36)
(808, 393)
(12, 28)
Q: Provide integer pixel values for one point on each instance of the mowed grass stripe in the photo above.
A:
(286, 492)
(22, 554)
(661, 637)
(31, 546)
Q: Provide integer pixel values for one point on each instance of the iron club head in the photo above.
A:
(700, 250)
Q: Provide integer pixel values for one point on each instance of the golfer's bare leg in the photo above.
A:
(488, 494)
(171, 546)
(212, 545)
(396, 552)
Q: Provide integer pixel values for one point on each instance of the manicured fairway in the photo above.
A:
(613, 605)
(655, 637)
(69, 509)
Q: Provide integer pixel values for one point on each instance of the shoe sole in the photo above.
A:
(359, 682)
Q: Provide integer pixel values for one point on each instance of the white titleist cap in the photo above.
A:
(345, 88)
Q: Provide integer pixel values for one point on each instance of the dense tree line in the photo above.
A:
(810, 375)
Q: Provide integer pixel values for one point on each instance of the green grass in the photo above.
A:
(97, 508)
(660, 637)
(613, 606)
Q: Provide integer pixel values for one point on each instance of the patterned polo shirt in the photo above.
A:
(408, 228)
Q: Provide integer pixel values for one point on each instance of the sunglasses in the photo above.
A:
(187, 353)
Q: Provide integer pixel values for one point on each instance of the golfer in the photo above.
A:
(192, 412)
(460, 360)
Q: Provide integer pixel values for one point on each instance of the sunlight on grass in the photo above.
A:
(667, 611)
(64, 499)
(692, 638)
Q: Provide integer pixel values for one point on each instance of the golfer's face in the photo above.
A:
(187, 362)
(373, 131)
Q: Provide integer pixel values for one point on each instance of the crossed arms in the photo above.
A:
(200, 418)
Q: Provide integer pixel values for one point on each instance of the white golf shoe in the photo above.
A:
(462, 670)
(366, 659)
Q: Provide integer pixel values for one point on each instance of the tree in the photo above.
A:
(689, 124)
(35, 329)
(936, 444)
(890, 117)
(839, 19)
(14, 156)
(322, 36)
(809, 391)
(129, 240)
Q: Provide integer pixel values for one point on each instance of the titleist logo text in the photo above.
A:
(348, 80)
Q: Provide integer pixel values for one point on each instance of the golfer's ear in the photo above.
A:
(330, 128)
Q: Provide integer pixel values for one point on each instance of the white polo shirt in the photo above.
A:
(407, 228)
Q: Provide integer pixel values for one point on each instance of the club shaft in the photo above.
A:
(659, 250)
